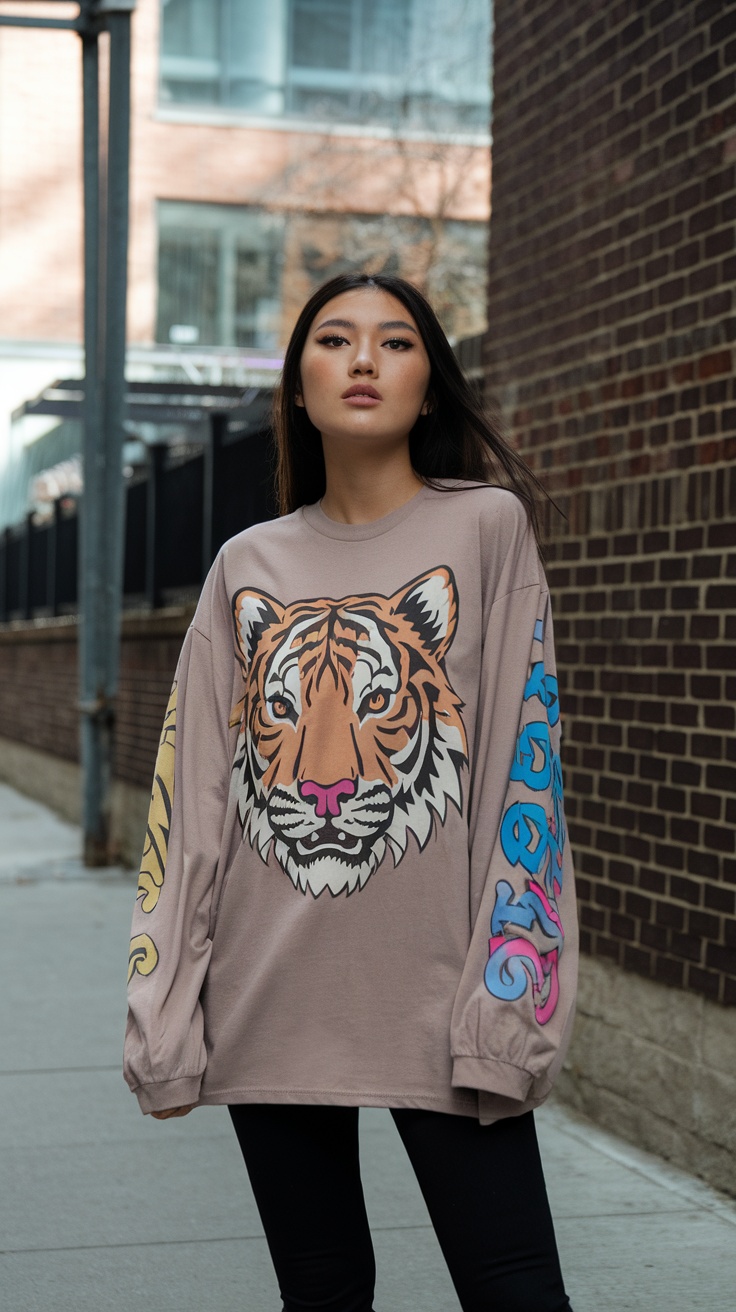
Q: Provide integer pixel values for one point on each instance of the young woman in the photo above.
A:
(357, 889)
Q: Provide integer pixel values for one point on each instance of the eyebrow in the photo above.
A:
(348, 323)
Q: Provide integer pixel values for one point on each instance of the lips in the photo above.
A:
(362, 389)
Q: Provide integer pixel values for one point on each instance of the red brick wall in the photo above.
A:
(38, 688)
(613, 260)
(38, 691)
(148, 655)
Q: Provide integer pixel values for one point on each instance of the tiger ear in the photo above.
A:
(430, 605)
(253, 612)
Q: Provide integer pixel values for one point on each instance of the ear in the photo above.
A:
(428, 404)
(430, 605)
(253, 612)
(298, 399)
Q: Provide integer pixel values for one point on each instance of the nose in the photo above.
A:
(363, 362)
(326, 797)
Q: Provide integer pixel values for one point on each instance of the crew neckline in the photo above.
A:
(374, 528)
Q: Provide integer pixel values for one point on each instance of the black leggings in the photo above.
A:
(483, 1186)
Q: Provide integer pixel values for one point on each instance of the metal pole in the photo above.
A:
(113, 398)
(92, 524)
(101, 558)
(116, 289)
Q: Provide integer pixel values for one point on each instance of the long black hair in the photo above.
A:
(456, 439)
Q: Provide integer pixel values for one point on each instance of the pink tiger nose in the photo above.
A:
(327, 798)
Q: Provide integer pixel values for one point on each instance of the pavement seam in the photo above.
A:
(163, 1243)
(375, 1229)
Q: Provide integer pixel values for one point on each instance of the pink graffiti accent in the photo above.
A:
(327, 797)
(538, 968)
(544, 1010)
(551, 910)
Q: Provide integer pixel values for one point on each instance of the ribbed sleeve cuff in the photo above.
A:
(492, 1076)
(168, 1094)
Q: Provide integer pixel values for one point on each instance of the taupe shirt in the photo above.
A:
(356, 886)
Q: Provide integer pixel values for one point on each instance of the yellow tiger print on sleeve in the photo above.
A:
(153, 861)
(143, 956)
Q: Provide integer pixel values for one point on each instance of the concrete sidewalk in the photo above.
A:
(103, 1210)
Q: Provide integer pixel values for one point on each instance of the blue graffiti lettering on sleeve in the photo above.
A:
(526, 932)
(533, 759)
(543, 686)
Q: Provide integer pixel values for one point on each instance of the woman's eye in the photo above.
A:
(333, 339)
(398, 343)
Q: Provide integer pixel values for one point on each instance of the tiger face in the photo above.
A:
(351, 736)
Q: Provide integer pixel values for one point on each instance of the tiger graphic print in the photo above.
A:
(351, 737)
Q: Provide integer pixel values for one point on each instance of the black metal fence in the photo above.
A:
(178, 512)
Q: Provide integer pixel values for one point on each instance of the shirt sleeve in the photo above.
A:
(515, 1003)
(164, 1050)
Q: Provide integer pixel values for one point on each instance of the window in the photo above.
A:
(220, 268)
(409, 64)
(345, 59)
(219, 275)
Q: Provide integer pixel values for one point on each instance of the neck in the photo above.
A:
(360, 490)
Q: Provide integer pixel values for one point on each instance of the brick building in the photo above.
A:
(272, 146)
(610, 352)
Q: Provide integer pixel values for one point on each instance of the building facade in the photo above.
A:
(272, 147)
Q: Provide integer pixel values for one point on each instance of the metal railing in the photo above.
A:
(178, 512)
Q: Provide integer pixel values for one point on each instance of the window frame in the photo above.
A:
(229, 223)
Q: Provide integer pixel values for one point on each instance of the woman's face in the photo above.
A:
(364, 369)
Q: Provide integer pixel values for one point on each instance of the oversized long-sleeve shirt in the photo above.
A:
(356, 886)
